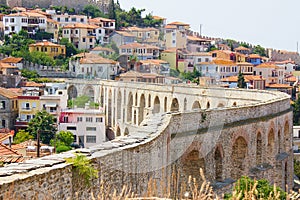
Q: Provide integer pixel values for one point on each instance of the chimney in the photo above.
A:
(9, 141)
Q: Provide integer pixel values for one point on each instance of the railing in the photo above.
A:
(26, 108)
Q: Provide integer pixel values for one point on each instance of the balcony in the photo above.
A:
(26, 108)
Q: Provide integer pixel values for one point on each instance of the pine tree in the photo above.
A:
(241, 81)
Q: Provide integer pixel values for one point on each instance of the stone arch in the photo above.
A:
(287, 146)
(259, 147)
(174, 105)
(196, 105)
(271, 144)
(141, 108)
(207, 105)
(89, 91)
(118, 131)
(221, 105)
(156, 105)
(165, 104)
(126, 131)
(192, 163)
(218, 164)
(239, 153)
(119, 105)
(184, 104)
(129, 107)
(72, 92)
(109, 108)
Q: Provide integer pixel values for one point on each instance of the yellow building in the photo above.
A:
(51, 49)
(170, 56)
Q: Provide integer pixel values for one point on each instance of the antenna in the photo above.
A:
(200, 30)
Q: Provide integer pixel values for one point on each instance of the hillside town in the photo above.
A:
(43, 49)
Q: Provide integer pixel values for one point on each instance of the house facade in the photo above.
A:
(271, 72)
(176, 35)
(141, 51)
(28, 21)
(87, 125)
(49, 48)
(121, 38)
(83, 36)
(8, 108)
(89, 65)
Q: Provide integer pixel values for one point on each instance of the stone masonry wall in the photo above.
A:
(224, 142)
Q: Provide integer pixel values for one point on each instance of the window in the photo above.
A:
(71, 128)
(91, 129)
(6, 19)
(24, 20)
(66, 19)
(2, 105)
(206, 60)
(173, 41)
(73, 19)
(90, 139)
(79, 119)
(58, 19)
(91, 39)
(34, 105)
(100, 69)
(89, 119)
(260, 73)
(3, 123)
(12, 20)
(99, 31)
(12, 28)
(199, 59)
(81, 20)
(83, 39)
(99, 119)
(76, 31)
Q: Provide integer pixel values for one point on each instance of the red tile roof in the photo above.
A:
(46, 43)
(138, 45)
(90, 58)
(11, 60)
(8, 93)
(8, 155)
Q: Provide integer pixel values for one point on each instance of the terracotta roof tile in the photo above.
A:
(90, 58)
(31, 84)
(11, 60)
(241, 48)
(178, 24)
(267, 65)
(220, 61)
(5, 65)
(277, 85)
(8, 93)
(254, 56)
(99, 48)
(138, 45)
(80, 25)
(158, 17)
(124, 33)
(46, 43)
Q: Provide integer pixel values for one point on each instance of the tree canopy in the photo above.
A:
(296, 112)
(241, 81)
(44, 123)
(22, 136)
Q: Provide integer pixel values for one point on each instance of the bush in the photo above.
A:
(62, 148)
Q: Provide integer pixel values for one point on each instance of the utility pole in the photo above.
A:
(200, 30)
(38, 144)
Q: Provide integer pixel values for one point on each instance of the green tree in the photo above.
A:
(296, 112)
(70, 48)
(43, 122)
(30, 74)
(241, 81)
(64, 138)
(259, 50)
(93, 11)
(22, 136)
(297, 168)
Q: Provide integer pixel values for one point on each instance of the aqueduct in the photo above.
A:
(158, 128)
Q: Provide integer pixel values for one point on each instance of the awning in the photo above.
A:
(51, 104)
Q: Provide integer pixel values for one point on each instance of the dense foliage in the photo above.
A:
(297, 168)
(264, 189)
(296, 112)
(80, 102)
(82, 165)
(241, 81)
(43, 122)
(22, 136)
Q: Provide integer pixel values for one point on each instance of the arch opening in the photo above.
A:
(141, 109)
(196, 105)
(258, 149)
(174, 105)
(156, 105)
(218, 164)
(129, 108)
(239, 153)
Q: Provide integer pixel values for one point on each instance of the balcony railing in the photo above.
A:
(26, 108)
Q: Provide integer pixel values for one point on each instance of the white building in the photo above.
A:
(87, 125)
(89, 65)
(65, 19)
(28, 21)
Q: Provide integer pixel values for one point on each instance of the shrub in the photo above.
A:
(62, 148)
